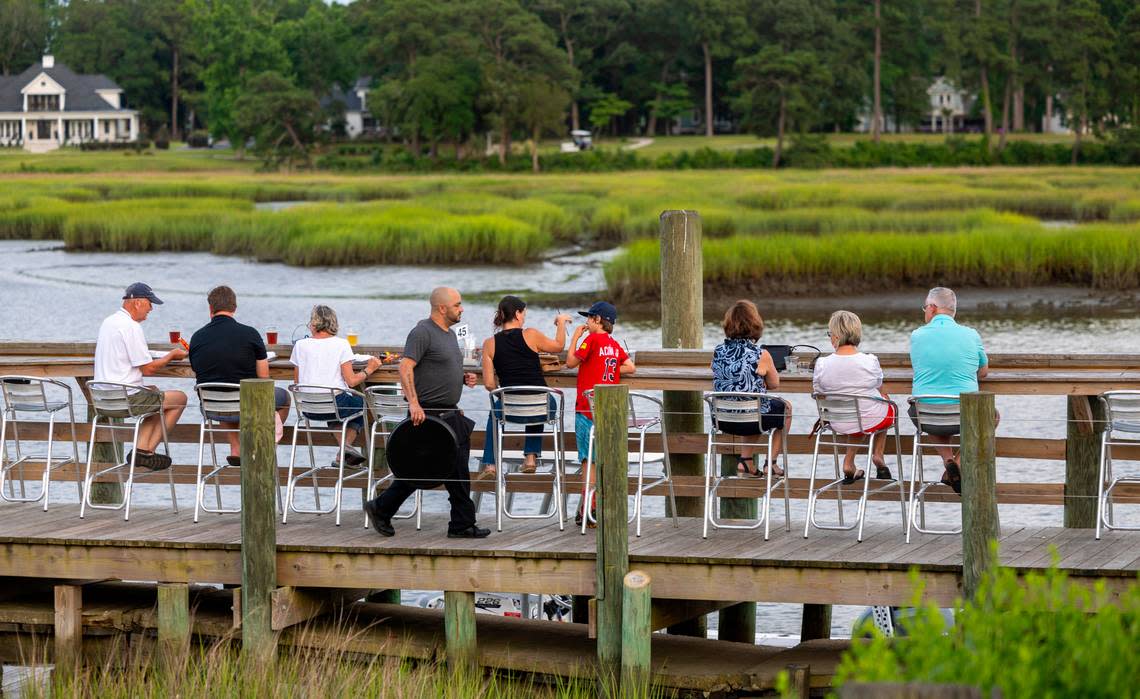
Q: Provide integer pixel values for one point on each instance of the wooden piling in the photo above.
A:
(682, 326)
(799, 680)
(636, 633)
(258, 518)
(738, 622)
(611, 408)
(459, 630)
(68, 627)
(816, 622)
(173, 622)
(102, 492)
(980, 525)
(1084, 427)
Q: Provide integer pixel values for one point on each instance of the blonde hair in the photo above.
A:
(323, 318)
(845, 328)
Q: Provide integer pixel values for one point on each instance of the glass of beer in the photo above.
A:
(175, 335)
(271, 335)
(352, 337)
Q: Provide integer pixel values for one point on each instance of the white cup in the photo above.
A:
(791, 364)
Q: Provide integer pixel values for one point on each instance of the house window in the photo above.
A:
(43, 103)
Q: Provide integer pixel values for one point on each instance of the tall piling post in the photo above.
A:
(980, 524)
(1083, 431)
(258, 519)
(682, 327)
(611, 410)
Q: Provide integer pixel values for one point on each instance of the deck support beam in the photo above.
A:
(737, 622)
(816, 622)
(258, 519)
(980, 525)
(173, 622)
(611, 410)
(636, 633)
(459, 630)
(68, 627)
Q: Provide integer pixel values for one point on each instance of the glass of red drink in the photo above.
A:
(271, 335)
(175, 335)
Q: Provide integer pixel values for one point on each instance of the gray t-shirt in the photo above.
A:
(439, 364)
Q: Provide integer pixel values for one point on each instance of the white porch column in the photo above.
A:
(98, 135)
(24, 130)
(60, 136)
(134, 121)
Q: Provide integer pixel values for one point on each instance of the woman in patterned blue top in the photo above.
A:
(739, 364)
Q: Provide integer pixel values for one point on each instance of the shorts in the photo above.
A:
(936, 430)
(771, 420)
(280, 400)
(582, 427)
(886, 422)
(141, 402)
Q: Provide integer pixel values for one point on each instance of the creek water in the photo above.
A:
(49, 294)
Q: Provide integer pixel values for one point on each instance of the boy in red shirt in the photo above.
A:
(601, 360)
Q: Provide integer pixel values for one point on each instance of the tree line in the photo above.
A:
(447, 72)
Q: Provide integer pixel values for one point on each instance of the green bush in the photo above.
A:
(198, 139)
(1040, 635)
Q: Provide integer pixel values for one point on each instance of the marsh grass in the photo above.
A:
(512, 219)
(1102, 256)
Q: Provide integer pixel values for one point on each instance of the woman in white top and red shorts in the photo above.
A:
(851, 372)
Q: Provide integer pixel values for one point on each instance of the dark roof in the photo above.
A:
(81, 89)
(350, 99)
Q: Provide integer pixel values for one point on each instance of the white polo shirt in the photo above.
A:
(121, 350)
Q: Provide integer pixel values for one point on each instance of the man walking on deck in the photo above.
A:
(122, 356)
(947, 360)
(432, 376)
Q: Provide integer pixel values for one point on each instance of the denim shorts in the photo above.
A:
(582, 425)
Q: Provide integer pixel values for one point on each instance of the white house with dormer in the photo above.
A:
(49, 105)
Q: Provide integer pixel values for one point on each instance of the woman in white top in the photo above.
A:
(851, 372)
(323, 359)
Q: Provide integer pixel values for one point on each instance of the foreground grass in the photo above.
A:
(879, 228)
(1038, 636)
(221, 671)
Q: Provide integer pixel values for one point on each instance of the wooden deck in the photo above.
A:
(534, 556)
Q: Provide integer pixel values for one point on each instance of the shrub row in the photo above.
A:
(805, 151)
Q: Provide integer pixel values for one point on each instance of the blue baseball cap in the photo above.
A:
(140, 290)
(600, 308)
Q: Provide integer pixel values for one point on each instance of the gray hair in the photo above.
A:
(845, 328)
(944, 298)
(323, 318)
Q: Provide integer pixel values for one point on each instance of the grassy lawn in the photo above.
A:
(676, 144)
(71, 160)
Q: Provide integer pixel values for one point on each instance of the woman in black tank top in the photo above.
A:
(510, 358)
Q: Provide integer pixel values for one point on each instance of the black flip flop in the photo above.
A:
(851, 479)
(883, 473)
(233, 460)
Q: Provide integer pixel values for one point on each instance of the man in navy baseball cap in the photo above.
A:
(601, 309)
(141, 290)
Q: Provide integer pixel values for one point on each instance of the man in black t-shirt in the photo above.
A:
(225, 351)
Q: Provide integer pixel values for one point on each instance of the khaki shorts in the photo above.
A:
(141, 403)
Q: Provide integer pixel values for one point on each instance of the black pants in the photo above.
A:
(458, 484)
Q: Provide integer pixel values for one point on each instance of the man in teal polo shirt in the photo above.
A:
(947, 359)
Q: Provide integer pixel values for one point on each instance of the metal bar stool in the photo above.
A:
(646, 416)
(131, 404)
(515, 408)
(930, 411)
(742, 408)
(319, 403)
(837, 409)
(220, 404)
(1122, 415)
(30, 394)
(389, 408)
